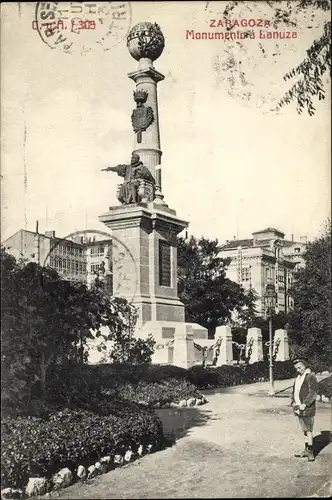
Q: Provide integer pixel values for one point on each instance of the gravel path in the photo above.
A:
(240, 444)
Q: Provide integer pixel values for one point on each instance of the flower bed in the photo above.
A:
(32, 447)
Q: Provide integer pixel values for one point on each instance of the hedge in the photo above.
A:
(164, 392)
(87, 386)
(117, 379)
(231, 375)
(155, 383)
(325, 387)
(34, 447)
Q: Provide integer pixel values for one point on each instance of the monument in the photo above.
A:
(143, 223)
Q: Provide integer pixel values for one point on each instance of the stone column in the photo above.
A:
(283, 350)
(146, 79)
(184, 352)
(257, 347)
(226, 349)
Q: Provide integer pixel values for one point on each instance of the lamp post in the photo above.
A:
(270, 298)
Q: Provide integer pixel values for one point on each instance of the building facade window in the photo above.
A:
(97, 251)
(94, 268)
(245, 275)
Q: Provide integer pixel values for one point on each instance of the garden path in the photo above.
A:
(240, 444)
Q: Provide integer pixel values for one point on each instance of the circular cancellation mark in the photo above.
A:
(123, 265)
(82, 26)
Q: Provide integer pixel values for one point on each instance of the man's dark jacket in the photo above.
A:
(308, 395)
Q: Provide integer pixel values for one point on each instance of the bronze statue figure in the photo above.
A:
(133, 175)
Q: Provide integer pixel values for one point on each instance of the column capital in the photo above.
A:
(148, 72)
(127, 216)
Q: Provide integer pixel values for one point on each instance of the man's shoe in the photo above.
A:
(302, 454)
(311, 456)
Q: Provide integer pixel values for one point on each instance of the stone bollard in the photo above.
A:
(184, 352)
(283, 349)
(226, 349)
(257, 346)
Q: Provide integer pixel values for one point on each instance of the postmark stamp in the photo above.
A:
(81, 27)
(84, 256)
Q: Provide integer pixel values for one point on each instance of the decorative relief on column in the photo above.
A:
(164, 263)
(142, 117)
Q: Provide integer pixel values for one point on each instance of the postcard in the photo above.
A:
(165, 177)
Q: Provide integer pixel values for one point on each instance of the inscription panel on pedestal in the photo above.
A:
(164, 263)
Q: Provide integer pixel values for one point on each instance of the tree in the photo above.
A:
(246, 315)
(209, 296)
(127, 348)
(312, 69)
(44, 319)
(311, 320)
(313, 73)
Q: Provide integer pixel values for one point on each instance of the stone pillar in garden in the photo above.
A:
(184, 351)
(281, 337)
(255, 345)
(224, 333)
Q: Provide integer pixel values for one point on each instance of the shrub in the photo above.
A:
(318, 366)
(168, 391)
(125, 372)
(325, 387)
(222, 376)
(127, 348)
(135, 382)
(228, 375)
(40, 447)
(283, 370)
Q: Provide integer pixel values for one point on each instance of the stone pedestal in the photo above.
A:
(144, 261)
(257, 346)
(184, 352)
(283, 349)
(226, 350)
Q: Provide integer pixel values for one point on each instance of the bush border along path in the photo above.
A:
(66, 439)
(135, 430)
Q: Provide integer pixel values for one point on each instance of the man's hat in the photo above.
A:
(300, 359)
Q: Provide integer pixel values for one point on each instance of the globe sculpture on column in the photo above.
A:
(145, 273)
(146, 40)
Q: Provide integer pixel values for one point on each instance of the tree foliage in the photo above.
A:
(311, 76)
(47, 320)
(311, 320)
(310, 73)
(246, 314)
(126, 347)
(209, 296)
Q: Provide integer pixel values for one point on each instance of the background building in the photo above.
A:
(75, 258)
(99, 263)
(265, 258)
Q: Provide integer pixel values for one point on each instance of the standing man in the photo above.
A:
(304, 404)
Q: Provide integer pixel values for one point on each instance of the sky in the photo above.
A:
(230, 165)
